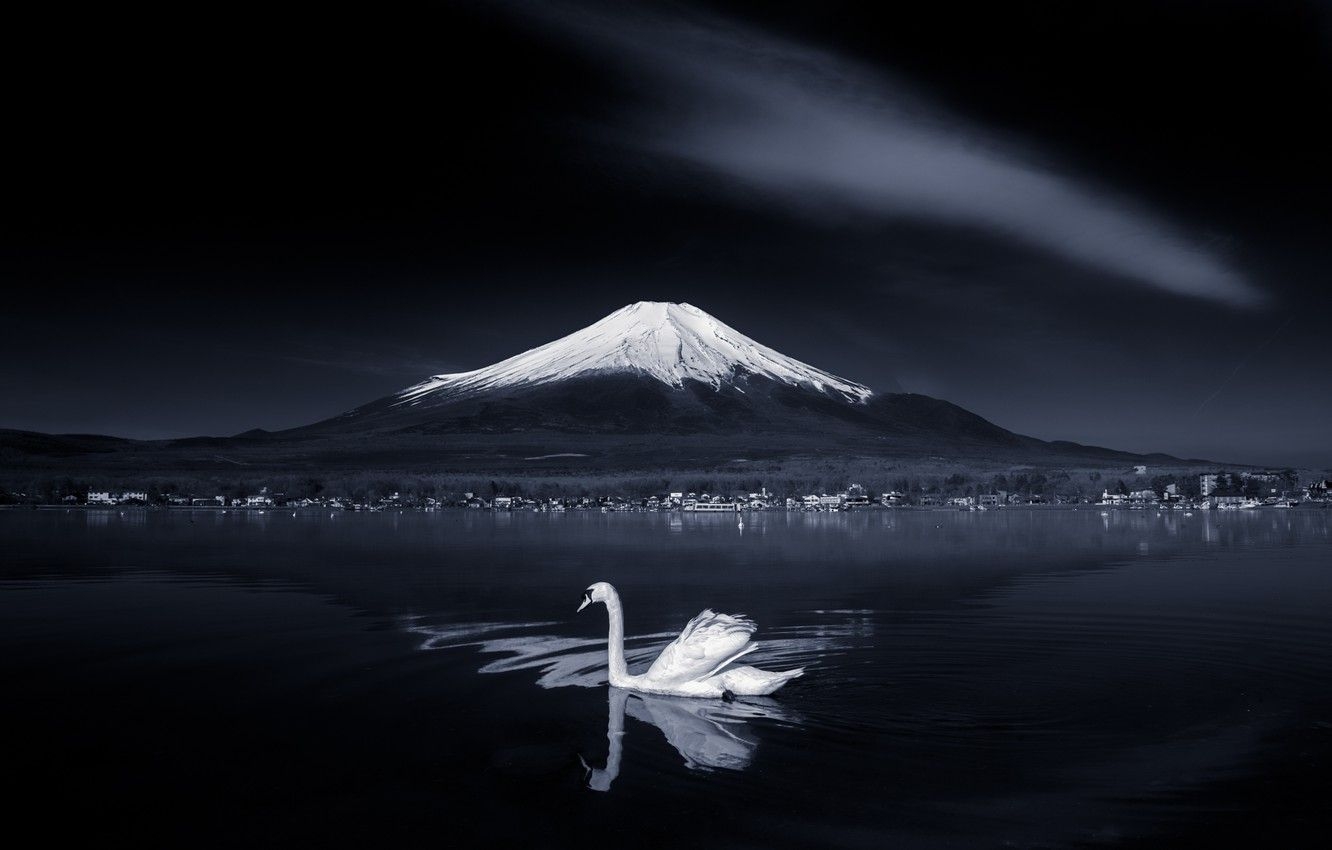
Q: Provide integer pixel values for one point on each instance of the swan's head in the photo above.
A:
(599, 592)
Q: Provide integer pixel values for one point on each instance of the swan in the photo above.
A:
(696, 664)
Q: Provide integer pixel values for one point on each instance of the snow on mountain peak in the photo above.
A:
(667, 341)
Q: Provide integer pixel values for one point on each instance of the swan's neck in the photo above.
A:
(619, 672)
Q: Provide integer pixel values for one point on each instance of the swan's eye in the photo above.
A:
(587, 595)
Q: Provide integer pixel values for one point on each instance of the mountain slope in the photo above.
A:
(671, 343)
(651, 386)
(671, 370)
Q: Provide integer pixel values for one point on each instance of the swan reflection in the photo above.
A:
(708, 734)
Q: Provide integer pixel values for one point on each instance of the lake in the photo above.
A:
(1014, 677)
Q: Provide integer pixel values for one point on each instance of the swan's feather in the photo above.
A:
(708, 643)
(748, 681)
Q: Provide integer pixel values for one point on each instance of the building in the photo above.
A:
(100, 497)
(1139, 470)
(134, 496)
(988, 500)
(502, 503)
(1209, 483)
(716, 507)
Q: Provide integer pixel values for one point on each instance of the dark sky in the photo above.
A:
(1105, 222)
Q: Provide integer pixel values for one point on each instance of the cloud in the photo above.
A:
(811, 132)
(361, 358)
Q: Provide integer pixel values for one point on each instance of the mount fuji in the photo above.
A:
(673, 343)
(675, 375)
(652, 386)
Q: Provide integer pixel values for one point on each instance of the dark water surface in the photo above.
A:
(1009, 678)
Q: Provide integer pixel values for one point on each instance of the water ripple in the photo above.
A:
(564, 661)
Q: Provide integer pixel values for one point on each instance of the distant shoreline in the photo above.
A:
(871, 509)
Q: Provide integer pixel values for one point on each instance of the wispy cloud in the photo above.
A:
(812, 131)
(363, 358)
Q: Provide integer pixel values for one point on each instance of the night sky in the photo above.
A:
(1103, 222)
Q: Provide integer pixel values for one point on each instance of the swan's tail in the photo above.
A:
(753, 682)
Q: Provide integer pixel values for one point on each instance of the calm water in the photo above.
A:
(1018, 678)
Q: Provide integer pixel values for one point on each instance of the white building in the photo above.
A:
(100, 497)
(716, 507)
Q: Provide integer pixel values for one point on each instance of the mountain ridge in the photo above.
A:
(652, 384)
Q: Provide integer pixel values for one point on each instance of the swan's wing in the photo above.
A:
(708, 642)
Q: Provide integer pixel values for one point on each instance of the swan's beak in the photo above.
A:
(587, 600)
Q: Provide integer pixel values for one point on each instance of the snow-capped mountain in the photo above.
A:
(671, 343)
(653, 386)
(664, 370)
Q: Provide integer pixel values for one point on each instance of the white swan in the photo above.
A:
(699, 663)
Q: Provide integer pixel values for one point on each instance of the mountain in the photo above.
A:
(672, 343)
(652, 386)
(662, 368)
